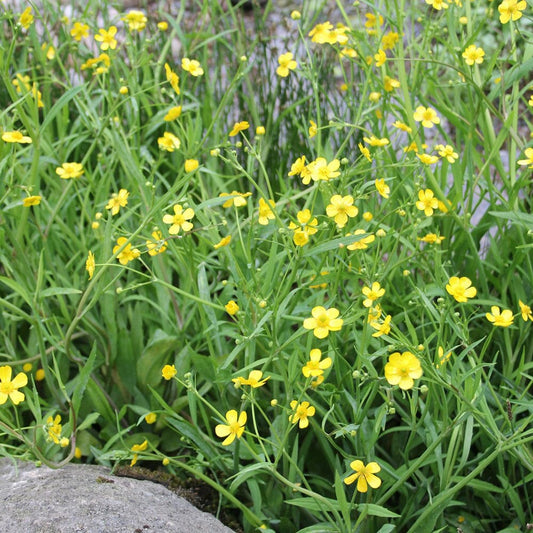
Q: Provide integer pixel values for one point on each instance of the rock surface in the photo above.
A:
(88, 499)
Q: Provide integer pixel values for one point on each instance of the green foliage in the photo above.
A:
(116, 285)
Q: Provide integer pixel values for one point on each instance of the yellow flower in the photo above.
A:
(374, 141)
(447, 152)
(302, 412)
(380, 58)
(70, 170)
(365, 475)
(340, 208)
(191, 165)
(473, 55)
(50, 51)
(15, 137)
(31, 200)
(237, 127)
(525, 310)
(223, 242)
(179, 220)
(389, 40)
(315, 366)
(427, 159)
(372, 294)
(150, 418)
(234, 427)
(169, 142)
(254, 379)
(295, 15)
(389, 84)
(135, 19)
(192, 66)
(500, 318)
(260, 130)
(90, 264)
(323, 321)
(117, 201)
(107, 38)
(173, 79)
(442, 358)
(168, 372)
(79, 31)
(238, 199)
(158, 245)
(402, 126)
(511, 10)
(427, 116)
(53, 429)
(362, 242)
(8, 387)
(372, 21)
(431, 238)
(427, 202)
(286, 64)
(460, 288)
(301, 169)
(307, 227)
(138, 448)
(127, 254)
(382, 328)
(528, 152)
(365, 151)
(172, 114)
(321, 33)
(382, 188)
(26, 18)
(266, 211)
(437, 4)
(320, 169)
(162, 26)
(231, 308)
(313, 130)
(402, 369)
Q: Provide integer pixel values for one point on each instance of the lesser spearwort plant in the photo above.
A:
(286, 253)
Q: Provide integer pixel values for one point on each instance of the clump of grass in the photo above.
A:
(303, 279)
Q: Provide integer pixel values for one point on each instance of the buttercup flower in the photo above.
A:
(107, 38)
(172, 114)
(382, 188)
(191, 165)
(427, 159)
(500, 318)
(53, 429)
(437, 4)
(135, 19)
(192, 66)
(323, 321)
(374, 141)
(365, 475)
(158, 245)
(117, 201)
(315, 366)
(79, 31)
(365, 151)
(402, 369)
(525, 311)
(389, 84)
(402, 126)
(173, 79)
(447, 152)
(427, 202)
(231, 308)
(382, 328)
(511, 10)
(299, 168)
(460, 288)
(313, 129)
(179, 220)
(362, 242)
(473, 55)
(443, 358)
(427, 116)
(238, 199)
(266, 211)
(9, 388)
(286, 64)
(31, 200)
(15, 137)
(389, 40)
(253, 380)
(302, 412)
(26, 18)
(168, 142)
(307, 227)
(150, 418)
(431, 238)
(237, 127)
(168, 372)
(528, 161)
(138, 448)
(127, 254)
(380, 58)
(234, 427)
(223, 242)
(321, 33)
(320, 169)
(340, 208)
(90, 264)
(372, 294)
(70, 170)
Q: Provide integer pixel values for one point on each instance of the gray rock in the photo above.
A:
(88, 499)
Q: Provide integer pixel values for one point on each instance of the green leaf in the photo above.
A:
(376, 510)
(82, 380)
(56, 291)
